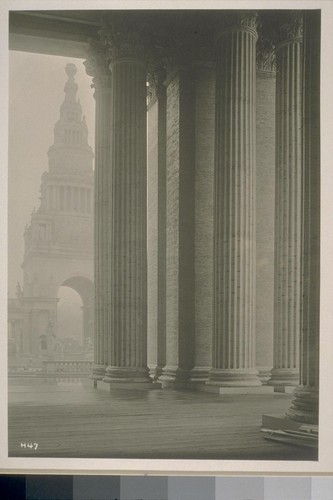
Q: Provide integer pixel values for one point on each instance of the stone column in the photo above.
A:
(204, 107)
(127, 221)
(97, 65)
(157, 222)
(288, 192)
(305, 404)
(265, 188)
(180, 206)
(234, 205)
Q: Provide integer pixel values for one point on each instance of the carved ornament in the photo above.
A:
(97, 64)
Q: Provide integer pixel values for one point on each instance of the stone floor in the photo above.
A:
(76, 420)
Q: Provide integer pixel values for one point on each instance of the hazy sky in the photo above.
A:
(36, 84)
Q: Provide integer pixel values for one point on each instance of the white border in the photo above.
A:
(214, 467)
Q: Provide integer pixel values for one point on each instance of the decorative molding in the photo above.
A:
(248, 19)
(126, 45)
(242, 20)
(97, 64)
(266, 59)
(156, 78)
(292, 30)
(125, 41)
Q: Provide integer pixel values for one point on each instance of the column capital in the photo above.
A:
(156, 79)
(242, 20)
(125, 42)
(97, 64)
(290, 31)
(266, 60)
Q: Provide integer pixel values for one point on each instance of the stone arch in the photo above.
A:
(84, 286)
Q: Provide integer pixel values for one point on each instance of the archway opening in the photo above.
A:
(70, 333)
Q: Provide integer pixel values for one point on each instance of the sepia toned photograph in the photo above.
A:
(164, 234)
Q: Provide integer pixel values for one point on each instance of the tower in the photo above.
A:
(59, 239)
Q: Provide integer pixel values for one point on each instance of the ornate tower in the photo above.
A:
(59, 239)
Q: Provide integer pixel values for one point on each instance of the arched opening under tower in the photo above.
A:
(70, 321)
(75, 320)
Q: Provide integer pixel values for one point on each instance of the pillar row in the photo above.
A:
(288, 192)
(234, 206)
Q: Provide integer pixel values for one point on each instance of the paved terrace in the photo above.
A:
(75, 420)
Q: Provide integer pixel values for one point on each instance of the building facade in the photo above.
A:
(58, 241)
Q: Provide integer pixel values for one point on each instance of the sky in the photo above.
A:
(36, 84)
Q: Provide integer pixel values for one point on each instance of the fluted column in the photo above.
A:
(156, 221)
(305, 404)
(265, 187)
(234, 205)
(127, 250)
(97, 65)
(204, 123)
(288, 192)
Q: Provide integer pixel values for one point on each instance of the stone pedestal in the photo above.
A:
(234, 211)
(288, 205)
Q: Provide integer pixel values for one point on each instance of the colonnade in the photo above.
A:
(208, 283)
(67, 198)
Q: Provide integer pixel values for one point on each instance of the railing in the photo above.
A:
(58, 370)
(66, 367)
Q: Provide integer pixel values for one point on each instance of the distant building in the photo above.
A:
(58, 241)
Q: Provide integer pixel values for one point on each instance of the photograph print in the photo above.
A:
(164, 234)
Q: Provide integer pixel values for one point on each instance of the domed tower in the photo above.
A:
(59, 239)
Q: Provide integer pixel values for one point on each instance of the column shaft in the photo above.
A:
(102, 226)
(204, 79)
(305, 404)
(161, 218)
(157, 227)
(288, 192)
(234, 217)
(265, 203)
(97, 66)
(180, 297)
(127, 281)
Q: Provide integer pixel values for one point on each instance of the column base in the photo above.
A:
(122, 377)
(199, 374)
(284, 377)
(284, 430)
(175, 378)
(233, 378)
(155, 372)
(264, 373)
(305, 405)
(98, 372)
(283, 389)
(215, 389)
